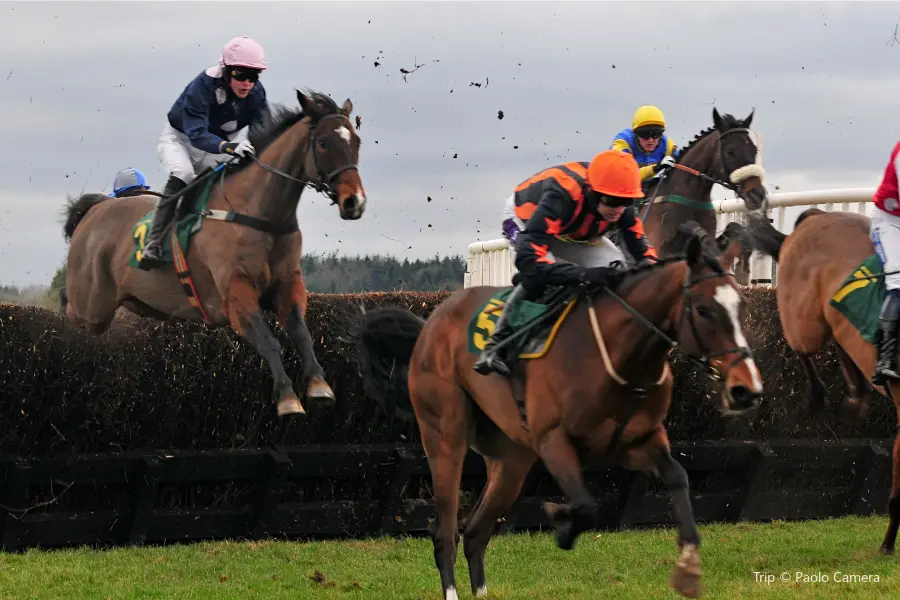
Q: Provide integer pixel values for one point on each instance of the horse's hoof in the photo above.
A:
(854, 408)
(319, 390)
(290, 405)
(686, 577)
(885, 551)
(561, 519)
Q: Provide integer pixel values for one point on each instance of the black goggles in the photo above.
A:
(649, 134)
(240, 74)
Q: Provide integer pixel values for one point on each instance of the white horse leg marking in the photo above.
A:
(481, 591)
(728, 298)
(451, 594)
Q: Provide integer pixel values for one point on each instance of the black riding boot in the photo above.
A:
(489, 361)
(165, 210)
(888, 320)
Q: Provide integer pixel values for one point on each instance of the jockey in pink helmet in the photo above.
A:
(209, 119)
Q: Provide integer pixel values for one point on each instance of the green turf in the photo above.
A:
(619, 565)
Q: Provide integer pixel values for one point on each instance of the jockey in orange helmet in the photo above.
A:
(565, 212)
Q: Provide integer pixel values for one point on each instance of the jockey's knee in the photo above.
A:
(185, 175)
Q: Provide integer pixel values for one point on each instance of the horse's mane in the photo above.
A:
(632, 276)
(730, 122)
(278, 118)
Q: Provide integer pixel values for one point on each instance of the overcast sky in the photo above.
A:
(85, 88)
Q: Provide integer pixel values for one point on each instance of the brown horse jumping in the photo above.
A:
(724, 154)
(246, 256)
(813, 261)
(602, 392)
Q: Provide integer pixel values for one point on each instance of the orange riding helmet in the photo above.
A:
(614, 173)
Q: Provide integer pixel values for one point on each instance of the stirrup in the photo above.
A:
(489, 362)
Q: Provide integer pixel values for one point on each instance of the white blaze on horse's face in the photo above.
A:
(345, 135)
(728, 298)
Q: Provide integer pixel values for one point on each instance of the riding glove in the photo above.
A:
(604, 276)
(238, 148)
(666, 163)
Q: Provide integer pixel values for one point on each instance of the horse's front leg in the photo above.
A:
(291, 307)
(247, 319)
(654, 458)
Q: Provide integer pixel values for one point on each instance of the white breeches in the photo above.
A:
(182, 160)
(885, 234)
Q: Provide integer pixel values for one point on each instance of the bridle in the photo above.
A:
(324, 183)
(704, 360)
(729, 185)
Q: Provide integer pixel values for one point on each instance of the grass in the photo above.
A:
(616, 565)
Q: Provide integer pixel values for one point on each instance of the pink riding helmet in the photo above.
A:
(244, 52)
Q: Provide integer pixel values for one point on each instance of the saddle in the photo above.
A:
(534, 323)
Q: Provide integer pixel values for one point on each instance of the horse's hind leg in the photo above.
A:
(890, 537)
(857, 401)
(562, 462)
(443, 429)
(815, 387)
(247, 319)
(505, 477)
(291, 307)
(654, 458)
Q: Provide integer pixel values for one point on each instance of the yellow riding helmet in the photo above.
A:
(648, 115)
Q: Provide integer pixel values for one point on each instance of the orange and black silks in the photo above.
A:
(553, 205)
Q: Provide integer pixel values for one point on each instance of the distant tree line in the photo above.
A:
(328, 274)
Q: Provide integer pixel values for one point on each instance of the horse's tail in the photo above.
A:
(766, 238)
(76, 210)
(386, 337)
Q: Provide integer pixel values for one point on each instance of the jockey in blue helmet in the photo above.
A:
(208, 122)
(129, 182)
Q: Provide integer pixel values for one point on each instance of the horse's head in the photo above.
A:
(334, 154)
(738, 159)
(710, 327)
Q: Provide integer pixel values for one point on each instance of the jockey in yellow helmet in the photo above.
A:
(647, 142)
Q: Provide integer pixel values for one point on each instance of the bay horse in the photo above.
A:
(245, 258)
(823, 250)
(725, 154)
(586, 399)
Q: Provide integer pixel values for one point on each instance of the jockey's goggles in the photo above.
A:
(614, 201)
(647, 134)
(243, 74)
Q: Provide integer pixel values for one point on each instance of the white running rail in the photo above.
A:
(490, 263)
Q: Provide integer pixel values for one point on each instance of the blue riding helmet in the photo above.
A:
(128, 179)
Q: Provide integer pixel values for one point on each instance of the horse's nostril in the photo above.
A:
(742, 397)
(351, 203)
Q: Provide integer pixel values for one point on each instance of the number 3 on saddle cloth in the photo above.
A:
(184, 225)
(533, 323)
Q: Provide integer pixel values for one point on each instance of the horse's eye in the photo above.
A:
(321, 143)
(704, 313)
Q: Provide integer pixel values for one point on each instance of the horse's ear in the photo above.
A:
(347, 108)
(309, 107)
(717, 119)
(694, 250)
(746, 122)
(731, 249)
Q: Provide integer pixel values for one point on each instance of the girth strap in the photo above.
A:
(259, 224)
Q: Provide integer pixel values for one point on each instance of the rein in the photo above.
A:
(322, 185)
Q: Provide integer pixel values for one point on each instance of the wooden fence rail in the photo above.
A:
(361, 491)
